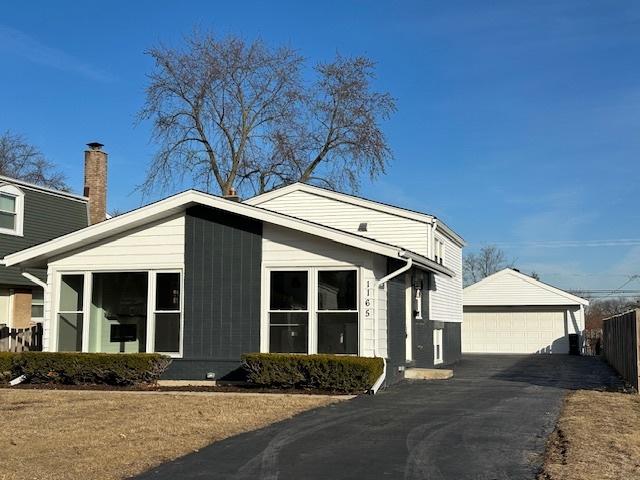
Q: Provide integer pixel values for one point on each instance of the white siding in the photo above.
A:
(508, 288)
(284, 247)
(385, 227)
(446, 299)
(157, 245)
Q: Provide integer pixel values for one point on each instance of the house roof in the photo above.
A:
(360, 201)
(37, 255)
(509, 287)
(50, 191)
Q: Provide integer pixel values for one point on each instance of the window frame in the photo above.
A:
(269, 310)
(318, 311)
(13, 191)
(438, 346)
(312, 304)
(86, 305)
(40, 302)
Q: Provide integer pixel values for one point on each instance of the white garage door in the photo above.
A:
(514, 331)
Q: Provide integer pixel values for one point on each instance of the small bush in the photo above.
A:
(323, 372)
(71, 368)
(5, 366)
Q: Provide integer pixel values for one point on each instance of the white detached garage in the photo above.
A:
(509, 312)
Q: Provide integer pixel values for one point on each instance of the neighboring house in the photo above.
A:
(31, 215)
(509, 312)
(205, 279)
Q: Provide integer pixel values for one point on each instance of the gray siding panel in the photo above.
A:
(452, 342)
(396, 326)
(223, 254)
(46, 216)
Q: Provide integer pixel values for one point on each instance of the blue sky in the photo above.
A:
(518, 123)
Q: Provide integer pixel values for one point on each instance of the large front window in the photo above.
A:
(337, 311)
(313, 311)
(288, 311)
(128, 312)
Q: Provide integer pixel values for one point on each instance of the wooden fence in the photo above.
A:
(621, 342)
(21, 339)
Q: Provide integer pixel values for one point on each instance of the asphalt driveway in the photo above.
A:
(489, 422)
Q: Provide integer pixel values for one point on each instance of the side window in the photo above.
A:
(167, 312)
(70, 313)
(11, 210)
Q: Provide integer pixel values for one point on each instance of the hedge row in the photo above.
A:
(84, 368)
(323, 372)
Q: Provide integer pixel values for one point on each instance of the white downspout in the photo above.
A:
(376, 386)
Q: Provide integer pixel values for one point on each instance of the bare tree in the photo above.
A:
(20, 160)
(232, 114)
(489, 260)
(599, 309)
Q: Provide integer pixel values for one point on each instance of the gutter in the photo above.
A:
(402, 254)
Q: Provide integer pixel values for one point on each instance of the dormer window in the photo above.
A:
(11, 210)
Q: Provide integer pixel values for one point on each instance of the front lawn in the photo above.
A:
(48, 434)
(597, 438)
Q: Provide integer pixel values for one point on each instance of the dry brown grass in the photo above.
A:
(106, 435)
(597, 438)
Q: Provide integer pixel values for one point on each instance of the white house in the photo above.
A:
(205, 279)
(509, 312)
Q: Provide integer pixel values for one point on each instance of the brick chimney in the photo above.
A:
(95, 182)
(232, 195)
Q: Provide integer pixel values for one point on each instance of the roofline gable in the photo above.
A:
(182, 201)
(528, 279)
(359, 201)
(47, 190)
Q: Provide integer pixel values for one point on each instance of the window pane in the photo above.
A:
(167, 332)
(118, 312)
(37, 303)
(288, 332)
(338, 333)
(71, 294)
(168, 291)
(337, 290)
(8, 220)
(70, 332)
(7, 203)
(289, 290)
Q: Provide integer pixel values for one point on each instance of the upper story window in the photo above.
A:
(11, 210)
(439, 251)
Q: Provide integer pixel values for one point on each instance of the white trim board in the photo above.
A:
(38, 255)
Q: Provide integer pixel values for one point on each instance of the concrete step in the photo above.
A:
(427, 373)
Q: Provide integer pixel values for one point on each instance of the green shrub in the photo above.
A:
(324, 372)
(5, 366)
(71, 368)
